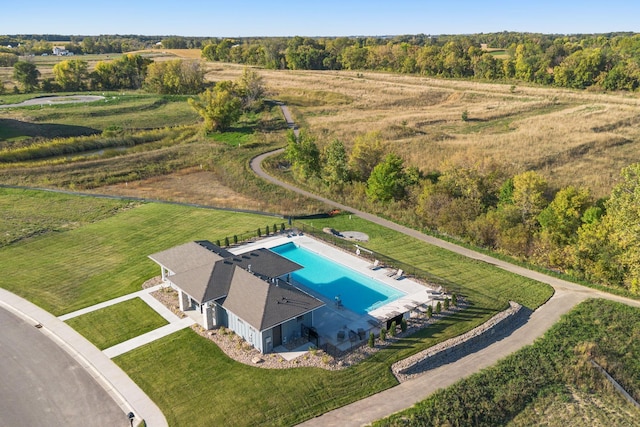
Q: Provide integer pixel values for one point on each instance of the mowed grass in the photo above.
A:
(64, 272)
(195, 383)
(117, 323)
(126, 111)
(486, 286)
(27, 213)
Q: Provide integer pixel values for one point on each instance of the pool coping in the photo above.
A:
(332, 318)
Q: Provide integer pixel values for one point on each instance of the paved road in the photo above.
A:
(44, 386)
(83, 359)
(53, 100)
(566, 296)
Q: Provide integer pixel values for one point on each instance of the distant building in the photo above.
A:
(60, 51)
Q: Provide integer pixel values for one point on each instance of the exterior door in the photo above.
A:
(277, 336)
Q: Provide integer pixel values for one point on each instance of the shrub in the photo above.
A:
(403, 325)
(235, 239)
(218, 242)
(275, 228)
(446, 303)
(226, 241)
(454, 300)
(392, 329)
(465, 115)
(429, 311)
(259, 233)
(372, 340)
(266, 230)
(282, 227)
(383, 334)
(438, 307)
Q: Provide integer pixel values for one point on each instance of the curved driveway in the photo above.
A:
(54, 100)
(566, 296)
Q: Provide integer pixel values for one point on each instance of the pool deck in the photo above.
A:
(331, 319)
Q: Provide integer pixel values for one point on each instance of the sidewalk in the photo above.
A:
(114, 380)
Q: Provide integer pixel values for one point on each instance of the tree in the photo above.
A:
(528, 195)
(623, 216)
(175, 77)
(366, 154)
(562, 218)
(71, 74)
(26, 74)
(251, 89)
(304, 156)
(8, 59)
(218, 107)
(387, 180)
(336, 168)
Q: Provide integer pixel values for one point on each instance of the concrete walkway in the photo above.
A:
(114, 380)
(150, 336)
(567, 295)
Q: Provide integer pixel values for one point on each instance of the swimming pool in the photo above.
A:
(357, 292)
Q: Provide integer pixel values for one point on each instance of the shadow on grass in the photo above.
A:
(476, 343)
(10, 128)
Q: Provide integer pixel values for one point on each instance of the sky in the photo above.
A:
(246, 18)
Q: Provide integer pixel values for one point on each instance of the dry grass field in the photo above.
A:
(571, 137)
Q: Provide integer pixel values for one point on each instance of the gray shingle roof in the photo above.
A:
(185, 257)
(201, 271)
(265, 263)
(268, 304)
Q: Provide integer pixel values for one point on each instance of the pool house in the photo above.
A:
(248, 293)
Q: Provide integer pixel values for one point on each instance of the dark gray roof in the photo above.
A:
(265, 263)
(205, 283)
(268, 304)
(185, 257)
(214, 248)
(205, 272)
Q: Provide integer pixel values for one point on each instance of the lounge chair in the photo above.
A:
(392, 272)
(398, 275)
(375, 265)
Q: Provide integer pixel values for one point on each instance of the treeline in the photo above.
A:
(131, 71)
(519, 214)
(41, 44)
(605, 61)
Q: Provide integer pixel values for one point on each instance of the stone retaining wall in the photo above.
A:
(457, 347)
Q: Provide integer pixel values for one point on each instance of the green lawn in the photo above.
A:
(484, 285)
(188, 376)
(63, 272)
(117, 323)
(27, 213)
(184, 373)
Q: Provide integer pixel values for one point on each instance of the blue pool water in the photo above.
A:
(357, 292)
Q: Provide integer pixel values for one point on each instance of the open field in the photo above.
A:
(582, 138)
(572, 137)
(551, 382)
